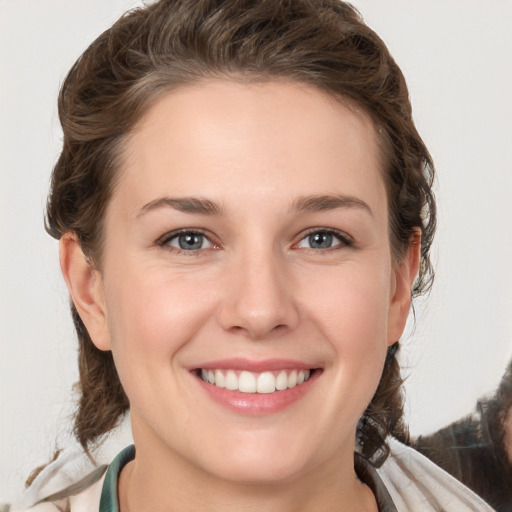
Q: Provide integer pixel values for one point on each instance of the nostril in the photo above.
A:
(259, 332)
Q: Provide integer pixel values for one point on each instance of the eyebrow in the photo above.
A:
(183, 204)
(310, 203)
(318, 203)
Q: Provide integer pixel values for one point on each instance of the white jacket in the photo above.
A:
(414, 483)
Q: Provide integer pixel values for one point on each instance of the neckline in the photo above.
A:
(109, 500)
(364, 470)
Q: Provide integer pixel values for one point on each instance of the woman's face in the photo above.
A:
(247, 243)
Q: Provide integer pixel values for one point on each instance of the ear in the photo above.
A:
(85, 286)
(404, 275)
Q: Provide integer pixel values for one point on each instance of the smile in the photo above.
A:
(256, 387)
(250, 382)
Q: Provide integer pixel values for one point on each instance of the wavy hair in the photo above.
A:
(171, 43)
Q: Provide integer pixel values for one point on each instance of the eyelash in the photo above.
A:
(167, 238)
(343, 239)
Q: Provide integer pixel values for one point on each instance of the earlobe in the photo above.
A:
(86, 289)
(404, 276)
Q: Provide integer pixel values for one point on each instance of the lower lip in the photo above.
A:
(257, 404)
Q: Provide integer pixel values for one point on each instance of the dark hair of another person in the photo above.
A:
(171, 43)
(474, 449)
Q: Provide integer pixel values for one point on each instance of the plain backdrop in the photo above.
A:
(457, 58)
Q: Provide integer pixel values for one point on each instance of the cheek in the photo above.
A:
(351, 314)
(153, 314)
(353, 317)
(352, 307)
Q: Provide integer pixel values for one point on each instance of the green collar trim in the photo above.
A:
(108, 501)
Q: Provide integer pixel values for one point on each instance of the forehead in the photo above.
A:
(267, 137)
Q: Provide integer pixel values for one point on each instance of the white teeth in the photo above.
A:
(282, 381)
(266, 383)
(292, 379)
(231, 381)
(248, 382)
(219, 379)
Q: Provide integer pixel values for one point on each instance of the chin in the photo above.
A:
(258, 472)
(269, 461)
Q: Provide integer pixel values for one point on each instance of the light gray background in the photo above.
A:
(456, 55)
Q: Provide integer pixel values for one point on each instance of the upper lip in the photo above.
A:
(255, 366)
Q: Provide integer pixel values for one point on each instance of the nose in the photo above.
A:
(258, 300)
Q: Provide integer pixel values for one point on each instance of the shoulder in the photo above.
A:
(73, 474)
(414, 481)
(83, 496)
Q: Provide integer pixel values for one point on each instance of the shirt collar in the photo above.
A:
(365, 472)
(108, 501)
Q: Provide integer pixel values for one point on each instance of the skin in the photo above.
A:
(257, 290)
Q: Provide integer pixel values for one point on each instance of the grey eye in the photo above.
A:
(190, 242)
(321, 240)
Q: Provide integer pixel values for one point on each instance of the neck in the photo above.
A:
(152, 483)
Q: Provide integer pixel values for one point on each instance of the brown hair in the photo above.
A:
(154, 49)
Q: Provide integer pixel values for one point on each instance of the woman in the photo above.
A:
(243, 206)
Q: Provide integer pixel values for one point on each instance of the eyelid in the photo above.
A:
(164, 240)
(345, 239)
